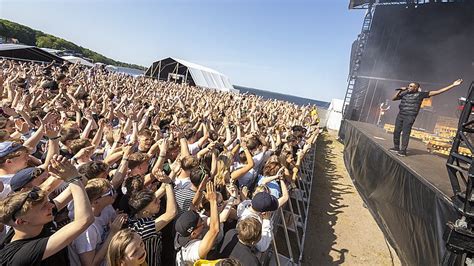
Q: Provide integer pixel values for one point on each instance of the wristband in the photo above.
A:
(74, 179)
(53, 138)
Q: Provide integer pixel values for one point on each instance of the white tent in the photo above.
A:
(190, 73)
(74, 59)
(334, 114)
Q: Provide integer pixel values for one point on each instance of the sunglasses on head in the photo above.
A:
(33, 195)
(111, 193)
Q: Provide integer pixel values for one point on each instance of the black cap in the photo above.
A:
(22, 177)
(264, 202)
(184, 226)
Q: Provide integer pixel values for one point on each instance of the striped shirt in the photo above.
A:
(145, 227)
(184, 198)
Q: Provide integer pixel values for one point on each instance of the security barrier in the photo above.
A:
(290, 222)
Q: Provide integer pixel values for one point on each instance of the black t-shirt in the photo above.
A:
(233, 248)
(30, 251)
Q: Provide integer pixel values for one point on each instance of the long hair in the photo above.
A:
(223, 170)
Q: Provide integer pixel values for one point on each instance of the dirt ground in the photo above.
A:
(340, 229)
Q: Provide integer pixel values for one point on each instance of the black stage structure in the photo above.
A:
(430, 42)
(410, 198)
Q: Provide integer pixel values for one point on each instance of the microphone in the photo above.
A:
(401, 89)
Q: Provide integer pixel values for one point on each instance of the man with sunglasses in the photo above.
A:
(30, 242)
(15, 156)
(411, 98)
(90, 247)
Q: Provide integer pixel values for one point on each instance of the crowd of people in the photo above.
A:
(99, 168)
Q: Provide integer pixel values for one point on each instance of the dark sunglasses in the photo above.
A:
(33, 195)
(37, 172)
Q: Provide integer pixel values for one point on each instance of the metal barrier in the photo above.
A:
(290, 222)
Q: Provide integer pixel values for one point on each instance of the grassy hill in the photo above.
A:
(30, 36)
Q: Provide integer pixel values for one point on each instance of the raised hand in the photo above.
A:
(127, 150)
(211, 194)
(457, 82)
(62, 168)
(118, 222)
(232, 190)
(163, 146)
(85, 151)
(51, 130)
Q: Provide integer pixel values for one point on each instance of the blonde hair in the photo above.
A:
(10, 204)
(96, 187)
(189, 162)
(78, 144)
(137, 158)
(249, 231)
(117, 246)
(223, 170)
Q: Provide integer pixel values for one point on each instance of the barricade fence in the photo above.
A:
(290, 221)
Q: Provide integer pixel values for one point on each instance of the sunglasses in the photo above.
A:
(37, 172)
(33, 195)
(110, 193)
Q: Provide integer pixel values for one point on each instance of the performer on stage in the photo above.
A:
(383, 108)
(411, 99)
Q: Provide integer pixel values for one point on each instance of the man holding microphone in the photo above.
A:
(411, 99)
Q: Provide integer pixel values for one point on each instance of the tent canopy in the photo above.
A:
(184, 71)
(74, 59)
(26, 52)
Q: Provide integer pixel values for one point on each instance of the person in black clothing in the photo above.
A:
(240, 243)
(30, 241)
(411, 99)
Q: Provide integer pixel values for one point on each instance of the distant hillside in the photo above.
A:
(33, 37)
(283, 97)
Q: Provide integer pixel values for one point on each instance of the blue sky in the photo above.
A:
(297, 47)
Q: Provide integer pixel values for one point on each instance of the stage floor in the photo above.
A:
(431, 168)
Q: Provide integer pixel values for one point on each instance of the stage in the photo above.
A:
(410, 197)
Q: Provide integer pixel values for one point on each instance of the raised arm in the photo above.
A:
(445, 89)
(84, 217)
(235, 175)
(171, 209)
(208, 241)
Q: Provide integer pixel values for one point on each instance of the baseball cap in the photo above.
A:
(23, 177)
(264, 202)
(8, 147)
(184, 226)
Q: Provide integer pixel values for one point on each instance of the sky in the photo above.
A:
(297, 47)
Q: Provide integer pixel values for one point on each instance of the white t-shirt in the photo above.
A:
(244, 210)
(189, 253)
(91, 239)
(107, 214)
(5, 179)
(194, 148)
